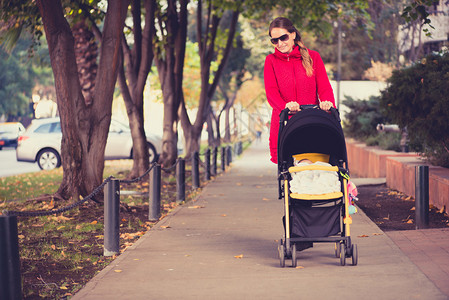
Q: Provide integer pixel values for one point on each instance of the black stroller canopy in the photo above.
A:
(312, 131)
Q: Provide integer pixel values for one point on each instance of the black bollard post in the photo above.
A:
(195, 170)
(207, 162)
(10, 279)
(229, 152)
(422, 197)
(214, 161)
(239, 148)
(154, 202)
(112, 218)
(223, 159)
(181, 181)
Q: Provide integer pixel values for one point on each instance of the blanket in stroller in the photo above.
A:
(314, 182)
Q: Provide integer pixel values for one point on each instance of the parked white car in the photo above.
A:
(41, 142)
(9, 133)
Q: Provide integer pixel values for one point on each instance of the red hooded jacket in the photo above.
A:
(286, 80)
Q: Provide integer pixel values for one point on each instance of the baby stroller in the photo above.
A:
(314, 218)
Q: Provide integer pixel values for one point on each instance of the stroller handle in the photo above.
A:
(283, 116)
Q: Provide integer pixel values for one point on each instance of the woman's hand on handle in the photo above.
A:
(293, 106)
(326, 105)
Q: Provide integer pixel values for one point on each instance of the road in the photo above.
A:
(10, 166)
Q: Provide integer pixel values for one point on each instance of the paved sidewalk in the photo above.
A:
(224, 246)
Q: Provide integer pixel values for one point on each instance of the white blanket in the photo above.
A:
(314, 182)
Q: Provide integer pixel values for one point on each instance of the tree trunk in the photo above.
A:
(170, 64)
(132, 79)
(84, 129)
(227, 136)
(213, 130)
(206, 47)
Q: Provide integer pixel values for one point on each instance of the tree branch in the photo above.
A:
(232, 30)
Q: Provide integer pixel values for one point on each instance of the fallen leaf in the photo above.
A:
(442, 209)
(196, 206)
(62, 253)
(363, 236)
(224, 215)
(94, 222)
(60, 227)
(239, 256)
(265, 199)
(165, 226)
(413, 208)
(299, 267)
(63, 287)
(68, 294)
(53, 247)
(239, 183)
(117, 271)
(377, 233)
(78, 227)
(21, 236)
(410, 221)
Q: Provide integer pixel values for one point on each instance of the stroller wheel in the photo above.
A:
(281, 251)
(354, 254)
(342, 254)
(337, 249)
(294, 255)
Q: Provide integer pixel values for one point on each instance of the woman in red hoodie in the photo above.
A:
(293, 76)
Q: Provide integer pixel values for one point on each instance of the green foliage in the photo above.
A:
(319, 16)
(363, 117)
(16, 82)
(418, 10)
(417, 99)
(367, 38)
(385, 140)
(362, 120)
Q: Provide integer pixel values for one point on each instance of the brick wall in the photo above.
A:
(398, 169)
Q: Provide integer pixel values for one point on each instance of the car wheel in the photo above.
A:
(152, 154)
(48, 159)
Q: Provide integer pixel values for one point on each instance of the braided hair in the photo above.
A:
(286, 24)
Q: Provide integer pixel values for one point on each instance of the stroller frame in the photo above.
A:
(287, 247)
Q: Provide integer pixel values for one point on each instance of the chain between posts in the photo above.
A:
(141, 176)
(172, 167)
(91, 195)
(60, 210)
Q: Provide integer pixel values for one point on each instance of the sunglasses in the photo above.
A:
(283, 38)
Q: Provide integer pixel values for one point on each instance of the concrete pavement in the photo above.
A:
(224, 246)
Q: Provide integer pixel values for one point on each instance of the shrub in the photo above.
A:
(361, 122)
(363, 117)
(417, 98)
